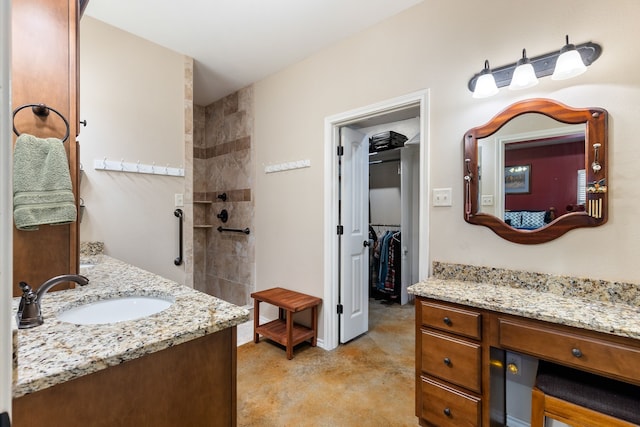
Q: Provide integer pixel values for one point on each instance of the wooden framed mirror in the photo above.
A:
(537, 170)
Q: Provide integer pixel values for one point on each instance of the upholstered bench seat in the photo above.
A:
(607, 396)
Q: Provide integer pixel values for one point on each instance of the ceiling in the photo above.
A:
(237, 42)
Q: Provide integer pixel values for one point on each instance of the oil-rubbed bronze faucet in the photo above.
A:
(29, 314)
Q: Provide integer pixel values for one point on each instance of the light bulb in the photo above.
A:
(569, 63)
(524, 76)
(485, 84)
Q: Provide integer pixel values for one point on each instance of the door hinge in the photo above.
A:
(340, 150)
(340, 230)
(339, 308)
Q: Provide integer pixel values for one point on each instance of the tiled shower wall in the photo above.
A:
(224, 263)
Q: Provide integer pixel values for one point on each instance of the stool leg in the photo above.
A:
(256, 320)
(314, 325)
(537, 408)
(289, 335)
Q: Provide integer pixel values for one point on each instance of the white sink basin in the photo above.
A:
(115, 310)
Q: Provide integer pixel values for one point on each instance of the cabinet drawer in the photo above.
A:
(572, 349)
(444, 406)
(451, 319)
(451, 359)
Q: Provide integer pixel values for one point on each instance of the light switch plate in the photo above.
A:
(487, 200)
(179, 198)
(441, 197)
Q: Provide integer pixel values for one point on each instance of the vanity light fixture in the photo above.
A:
(557, 63)
(485, 85)
(524, 76)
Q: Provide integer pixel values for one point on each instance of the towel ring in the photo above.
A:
(40, 110)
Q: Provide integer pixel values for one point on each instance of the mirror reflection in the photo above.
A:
(532, 171)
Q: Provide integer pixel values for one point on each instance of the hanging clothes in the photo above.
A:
(392, 280)
(389, 274)
(384, 260)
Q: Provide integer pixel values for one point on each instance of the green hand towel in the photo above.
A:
(42, 192)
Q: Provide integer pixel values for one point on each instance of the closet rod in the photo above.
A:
(384, 225)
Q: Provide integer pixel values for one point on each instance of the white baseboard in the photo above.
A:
(516, 422)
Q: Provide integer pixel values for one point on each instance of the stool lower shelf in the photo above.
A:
(277, 331)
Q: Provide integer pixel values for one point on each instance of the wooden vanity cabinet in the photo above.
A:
(460, 359)
(448, 365)
(191, 384)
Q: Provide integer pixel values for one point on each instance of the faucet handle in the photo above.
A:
(27, 291)
(28, 298)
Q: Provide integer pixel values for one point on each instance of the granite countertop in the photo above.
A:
(585, 311)
(57, 351)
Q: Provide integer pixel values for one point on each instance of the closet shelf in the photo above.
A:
(203, 202)
(202, 226)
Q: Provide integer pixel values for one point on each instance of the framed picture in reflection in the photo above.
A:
(517, 179)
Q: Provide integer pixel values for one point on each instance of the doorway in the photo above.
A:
(346, 251)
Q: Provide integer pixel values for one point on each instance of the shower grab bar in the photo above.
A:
(40, 110)
(234, 230)
(179, 214)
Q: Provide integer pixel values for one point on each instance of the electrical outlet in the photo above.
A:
(441, 197)
(487, 200)
(179, 198)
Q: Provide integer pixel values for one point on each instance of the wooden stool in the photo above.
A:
(283, 330)
(582, 399)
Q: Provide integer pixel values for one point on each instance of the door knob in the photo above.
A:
(366, 243)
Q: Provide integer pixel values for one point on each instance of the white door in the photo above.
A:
(354, 217)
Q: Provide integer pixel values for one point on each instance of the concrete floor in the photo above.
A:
(366, 382)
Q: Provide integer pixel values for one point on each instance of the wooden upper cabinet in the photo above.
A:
(44, 70)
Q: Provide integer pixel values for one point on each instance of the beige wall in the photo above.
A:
(439, 45)
(133, 98)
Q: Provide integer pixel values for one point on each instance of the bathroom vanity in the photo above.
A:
(466, 317)
(176, 367)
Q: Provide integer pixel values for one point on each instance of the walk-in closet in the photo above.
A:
(394, 142)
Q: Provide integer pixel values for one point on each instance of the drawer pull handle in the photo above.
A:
(576, 352)
(447, 361)
(447, 412)
(447, 321)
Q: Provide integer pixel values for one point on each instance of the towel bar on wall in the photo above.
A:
(40, 110)
(235, 230)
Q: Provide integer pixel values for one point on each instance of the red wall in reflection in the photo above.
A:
(550, 165)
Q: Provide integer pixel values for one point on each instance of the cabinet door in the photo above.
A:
(43, 67)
